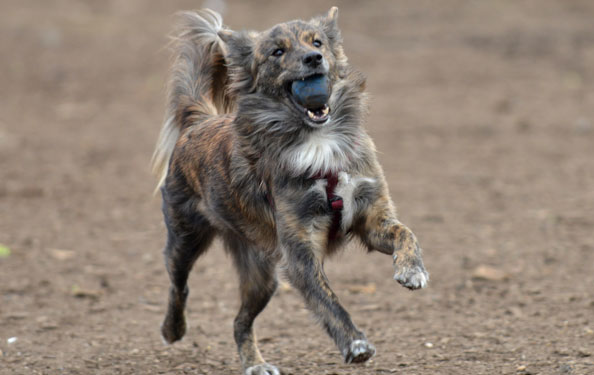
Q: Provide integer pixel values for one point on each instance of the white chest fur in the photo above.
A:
(322, 152)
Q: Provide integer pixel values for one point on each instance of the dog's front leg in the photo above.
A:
(303, 221)
(306, 274)
(381, 231)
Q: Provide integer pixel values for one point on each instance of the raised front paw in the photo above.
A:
(408, 261)
(359, 351)
(412, 278)
(262, 369)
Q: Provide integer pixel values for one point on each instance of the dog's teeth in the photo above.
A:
(325, 110)
(310, 114)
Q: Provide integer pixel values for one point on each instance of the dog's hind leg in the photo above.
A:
(257, 277)
(187, 238)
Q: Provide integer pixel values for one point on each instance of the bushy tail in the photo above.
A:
(197, 87)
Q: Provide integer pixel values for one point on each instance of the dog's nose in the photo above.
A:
(312, 59)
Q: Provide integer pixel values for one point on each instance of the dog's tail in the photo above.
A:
(197, 87)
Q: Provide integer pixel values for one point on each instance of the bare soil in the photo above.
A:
(483, 116)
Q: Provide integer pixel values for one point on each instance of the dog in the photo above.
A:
(263, 146)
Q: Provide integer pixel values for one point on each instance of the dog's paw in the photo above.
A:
(173, 330)
(415, 277)
(262, 369)
(408, 261)
(359, 351)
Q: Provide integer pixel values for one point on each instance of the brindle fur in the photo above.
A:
(236, 159)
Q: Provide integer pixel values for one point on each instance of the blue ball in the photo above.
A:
(312, 92)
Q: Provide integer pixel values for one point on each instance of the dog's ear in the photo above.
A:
(329, 24)
(238, 47)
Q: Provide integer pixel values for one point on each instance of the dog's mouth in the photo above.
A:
(310, 96)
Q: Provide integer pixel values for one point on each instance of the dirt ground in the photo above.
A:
(483, 115)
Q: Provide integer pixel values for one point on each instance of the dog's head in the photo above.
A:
(293, 66)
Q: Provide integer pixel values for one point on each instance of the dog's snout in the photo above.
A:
(312, 59)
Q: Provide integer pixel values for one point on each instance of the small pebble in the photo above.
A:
(12, 340)
(428, 345)
(488, 273)
(583, 353)
(565, 369)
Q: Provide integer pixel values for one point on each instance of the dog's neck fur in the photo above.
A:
(280, 143)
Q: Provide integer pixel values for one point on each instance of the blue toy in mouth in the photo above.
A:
(311, 92)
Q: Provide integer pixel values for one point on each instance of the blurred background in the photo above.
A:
(483, 116)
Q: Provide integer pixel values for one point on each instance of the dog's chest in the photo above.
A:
(356, 193)
(322, 151)
(346, 197)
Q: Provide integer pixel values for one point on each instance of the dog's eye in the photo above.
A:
(278, 52)
(317, 43)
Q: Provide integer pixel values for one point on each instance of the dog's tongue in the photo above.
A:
(312, 92)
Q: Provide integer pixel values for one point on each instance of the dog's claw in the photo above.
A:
(359, 351)
(262, 369)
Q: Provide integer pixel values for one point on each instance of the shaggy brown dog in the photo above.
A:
(283, 177)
